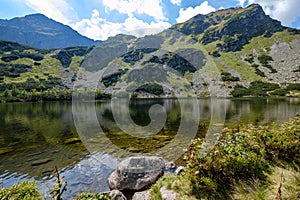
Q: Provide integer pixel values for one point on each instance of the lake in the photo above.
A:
(86, 141)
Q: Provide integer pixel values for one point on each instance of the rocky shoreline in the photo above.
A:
(134, 176)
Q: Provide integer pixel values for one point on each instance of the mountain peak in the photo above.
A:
(233, 26)
(254, 6)
(40, 31)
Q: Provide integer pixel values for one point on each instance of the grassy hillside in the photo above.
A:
(31, 74)
(234, 52)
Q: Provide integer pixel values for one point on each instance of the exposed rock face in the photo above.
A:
(136, 173)
(116, 195)
(242, 27)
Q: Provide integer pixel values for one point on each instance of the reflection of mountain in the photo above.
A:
(245, 111)
(34, 135)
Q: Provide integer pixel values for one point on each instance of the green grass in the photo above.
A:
(240, 66)
(280, 184)
(180, 184)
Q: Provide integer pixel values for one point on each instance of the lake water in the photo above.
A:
(37, 137)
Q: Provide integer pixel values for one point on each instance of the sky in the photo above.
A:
(100, 19)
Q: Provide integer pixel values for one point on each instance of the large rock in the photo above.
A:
(136, 173)
(143, 195)
(117, 195)
(167, 194)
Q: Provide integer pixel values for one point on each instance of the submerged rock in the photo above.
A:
(5, 150)
(40, 162)
(72, 140)
(136, 173)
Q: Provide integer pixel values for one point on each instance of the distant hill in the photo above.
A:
(39, 31)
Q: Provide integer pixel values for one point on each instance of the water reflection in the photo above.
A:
(35, 137)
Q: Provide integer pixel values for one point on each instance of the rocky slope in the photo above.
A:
(227, 52)
(233, 52)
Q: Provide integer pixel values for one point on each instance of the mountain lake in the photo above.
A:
(37, 137)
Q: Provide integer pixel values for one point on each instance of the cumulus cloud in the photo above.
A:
(185, 14)
(100, 29)
(242, 2)
(152, 8)
(58, 10)
(286, 11)
(176, 2)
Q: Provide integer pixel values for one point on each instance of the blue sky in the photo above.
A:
(100, 19)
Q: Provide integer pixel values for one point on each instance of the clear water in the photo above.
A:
(35, 137)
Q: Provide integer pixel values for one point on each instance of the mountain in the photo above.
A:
(39, 31)
(232, 52)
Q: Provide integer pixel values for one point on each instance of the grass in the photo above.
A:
(251, 162)
(180, 184)
(240, 66)
(280, 184)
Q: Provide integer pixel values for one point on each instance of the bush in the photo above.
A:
(24, 190)
(264, 59)
(243, 155)
(91, 196)
(293, 86)
(279, 92)
(9, 57)
(240, 91)
(152, 88)
(226, 76)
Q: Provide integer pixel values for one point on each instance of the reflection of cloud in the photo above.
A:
(287, 11)
(176, 2)
(99, 28)
(186, 14)
(152, 8)
(58, 10)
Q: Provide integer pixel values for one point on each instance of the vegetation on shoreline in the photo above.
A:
(251, 162)
(246, 163)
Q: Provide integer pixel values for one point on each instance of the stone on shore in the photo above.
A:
(136, 173)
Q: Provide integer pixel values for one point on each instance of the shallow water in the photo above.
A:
(37, 137)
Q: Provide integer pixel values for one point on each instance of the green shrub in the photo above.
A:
(250, 59)
(25, 190)
(279, 92)
(226, 76)
(264, 59)
(152, 88)
(293, 86)
(242, 155)
(240, 91)
(91, 196)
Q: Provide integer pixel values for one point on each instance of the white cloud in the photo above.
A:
(59, 10)
(176, 2)
(100, 29)
(130, 7)
(185, 14)
(242, 2)
(286, 11)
